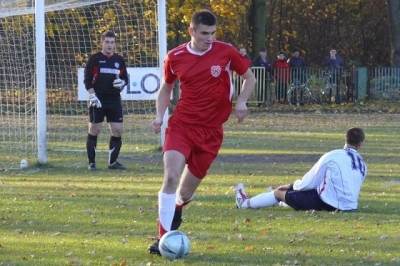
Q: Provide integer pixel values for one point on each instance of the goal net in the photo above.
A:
(73, 32)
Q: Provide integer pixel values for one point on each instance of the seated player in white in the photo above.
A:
(333, 183)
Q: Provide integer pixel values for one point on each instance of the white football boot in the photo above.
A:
(241, 196)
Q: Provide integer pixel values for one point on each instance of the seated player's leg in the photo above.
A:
(241, 197)
(262, 200)
(280, 194)
(115, 119)
(96, 117)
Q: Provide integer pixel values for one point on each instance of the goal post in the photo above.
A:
(40, 64)
(39, 107)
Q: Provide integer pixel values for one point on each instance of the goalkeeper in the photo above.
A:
(105, 78)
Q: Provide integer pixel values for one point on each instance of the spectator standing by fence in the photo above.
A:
(281, 75)
(333, 61)
(334, 64)
(297, 66)
(298, 74)
(262, 61)
(243, 52)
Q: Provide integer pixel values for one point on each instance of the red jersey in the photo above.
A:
(205, 82)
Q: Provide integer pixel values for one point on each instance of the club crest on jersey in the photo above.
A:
(116, 65)
(215, 71)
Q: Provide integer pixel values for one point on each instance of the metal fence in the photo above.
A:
(384, 83)
(302, 85)
(323, 85)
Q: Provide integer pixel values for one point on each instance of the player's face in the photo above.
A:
(108, 46)
(202, 36)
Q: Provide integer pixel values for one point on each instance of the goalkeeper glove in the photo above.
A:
(94, 101)
(119, 84)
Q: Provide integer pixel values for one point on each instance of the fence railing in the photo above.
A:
(302, 85)
(323, 85)
(384, 83)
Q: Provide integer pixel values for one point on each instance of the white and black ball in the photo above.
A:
(174, 245)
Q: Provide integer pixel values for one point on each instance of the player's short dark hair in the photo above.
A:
(205, 17)
(355, 136)
(108, 34)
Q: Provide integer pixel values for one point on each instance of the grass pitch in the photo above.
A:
(62, 214)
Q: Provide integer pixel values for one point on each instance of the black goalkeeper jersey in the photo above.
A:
(101, 71)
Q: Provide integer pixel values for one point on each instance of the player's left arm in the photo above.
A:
(249, 82)
(123, 72)
(313, 178)
(121, 79)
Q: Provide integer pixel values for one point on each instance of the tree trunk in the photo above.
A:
(258, 19)
(394, 14)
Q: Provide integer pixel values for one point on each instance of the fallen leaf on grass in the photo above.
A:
(249, 248)
(383, 237)
(240, 236)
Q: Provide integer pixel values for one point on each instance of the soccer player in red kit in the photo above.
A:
(195, 133)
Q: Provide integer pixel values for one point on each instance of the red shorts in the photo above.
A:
(199, 145)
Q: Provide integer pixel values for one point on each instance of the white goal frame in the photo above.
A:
(40, 60)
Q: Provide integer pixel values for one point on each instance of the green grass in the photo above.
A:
(63, 215)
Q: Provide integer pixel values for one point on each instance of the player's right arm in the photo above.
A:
(164, 96)
(162, 103)
(89, 74)
(90, 77)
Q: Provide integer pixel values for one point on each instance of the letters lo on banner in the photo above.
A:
(144, 84)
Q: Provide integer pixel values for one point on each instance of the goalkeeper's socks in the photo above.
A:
(115, 147)
(262, 200)
(166, 211)
(91, 144)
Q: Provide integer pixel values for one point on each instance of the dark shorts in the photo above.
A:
(113, 113)
(306, 200)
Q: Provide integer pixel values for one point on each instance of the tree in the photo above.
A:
(231, 15)
(394, 14)
(258, 19)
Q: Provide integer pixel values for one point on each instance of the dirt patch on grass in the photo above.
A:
(275, 158)
(235, 158)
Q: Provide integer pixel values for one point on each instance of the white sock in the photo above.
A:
(166, 209)
(266, 199)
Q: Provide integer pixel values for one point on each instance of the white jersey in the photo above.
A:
(337, 177)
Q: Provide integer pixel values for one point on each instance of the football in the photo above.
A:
(174, 245)
(23, 164)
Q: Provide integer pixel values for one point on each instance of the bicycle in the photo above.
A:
(299, 93)
(329, 90)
